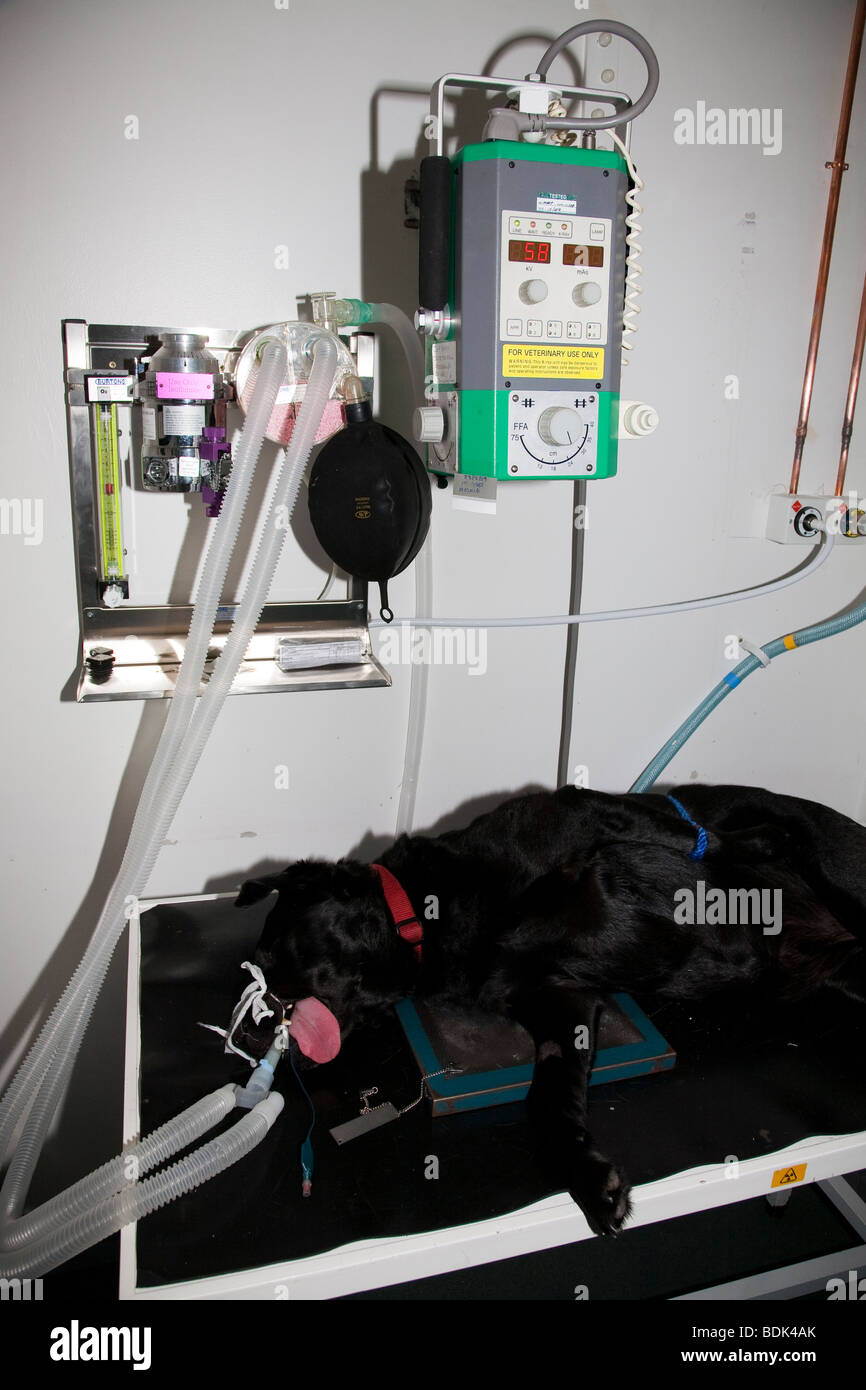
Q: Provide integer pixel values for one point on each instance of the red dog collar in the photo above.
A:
(407, 924)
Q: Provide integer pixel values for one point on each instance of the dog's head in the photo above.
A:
(326, 953)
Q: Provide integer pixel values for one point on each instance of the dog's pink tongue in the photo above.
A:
(315, 1030)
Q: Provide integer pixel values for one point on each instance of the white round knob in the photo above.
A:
(637, 418)
(533, 291)
(113, 596)
(557, 425)
(428, 424)
(586, 293)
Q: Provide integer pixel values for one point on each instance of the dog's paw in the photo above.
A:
(602, 1191)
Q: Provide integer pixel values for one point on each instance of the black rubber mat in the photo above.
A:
(750, 1079)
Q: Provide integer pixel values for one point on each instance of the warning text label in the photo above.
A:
(531, 360)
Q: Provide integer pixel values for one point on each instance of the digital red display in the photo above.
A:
(534, 252)
(582, 255)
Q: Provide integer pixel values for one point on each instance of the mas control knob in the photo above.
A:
(586, 293)
(533, 291)
(558, 425)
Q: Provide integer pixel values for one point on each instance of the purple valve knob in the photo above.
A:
(213, 443)
(212, 446)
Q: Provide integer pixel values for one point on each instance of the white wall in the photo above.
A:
(255, 131)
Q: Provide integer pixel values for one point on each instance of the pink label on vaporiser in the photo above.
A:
(184, 386)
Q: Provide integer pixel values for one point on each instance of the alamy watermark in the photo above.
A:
(20, 1290)
(711, 125)
(77, 1343)
(733, 907)
(438, 646)
(22, 516)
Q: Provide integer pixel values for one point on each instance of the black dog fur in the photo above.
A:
(554, 901)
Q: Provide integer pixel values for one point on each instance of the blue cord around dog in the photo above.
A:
(700, 848)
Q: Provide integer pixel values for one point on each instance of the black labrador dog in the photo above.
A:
(555, 900)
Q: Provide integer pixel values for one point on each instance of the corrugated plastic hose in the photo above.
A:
(115, 1175)
(61, 1035)
(139, 1199)
(41, 1080)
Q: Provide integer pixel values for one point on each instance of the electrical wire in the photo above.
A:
(632, 269)
(623, 31)
(307, 1145)
(328, 583)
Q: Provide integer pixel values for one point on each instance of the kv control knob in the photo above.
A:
(533, 291)
(586, 293)
(558, 425)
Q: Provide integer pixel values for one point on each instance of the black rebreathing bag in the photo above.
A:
(370, 500)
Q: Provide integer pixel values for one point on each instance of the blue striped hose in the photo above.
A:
(802, 638)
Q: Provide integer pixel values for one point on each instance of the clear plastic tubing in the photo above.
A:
(816, 633)
(270, 545)
(40, 1081)
(356, 312)
(419, 682)
(392, 317)
(139, 1199)
(114, 1175)
(820, 555)
(409, 341)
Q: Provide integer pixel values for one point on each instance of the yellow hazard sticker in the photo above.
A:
(783, 1176)
(530, 359)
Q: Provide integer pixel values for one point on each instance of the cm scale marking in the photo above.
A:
(551, 429)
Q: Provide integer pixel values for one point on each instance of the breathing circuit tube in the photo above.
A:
(71, 1222)
(816, 633)
(353, 313)
(419, 679)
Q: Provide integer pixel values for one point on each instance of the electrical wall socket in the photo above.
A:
(798, 519)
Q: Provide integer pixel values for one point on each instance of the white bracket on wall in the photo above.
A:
(800, 519)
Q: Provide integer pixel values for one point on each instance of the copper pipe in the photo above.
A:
(853, 383)
(838, 167)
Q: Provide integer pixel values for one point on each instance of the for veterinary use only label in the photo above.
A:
(527, 360)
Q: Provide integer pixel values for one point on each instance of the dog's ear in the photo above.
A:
(257, 888)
